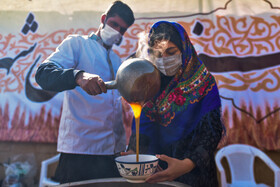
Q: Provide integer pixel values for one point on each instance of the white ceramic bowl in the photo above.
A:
(136, 172)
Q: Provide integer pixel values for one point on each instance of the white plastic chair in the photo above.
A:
(44, 180)
(240, 158)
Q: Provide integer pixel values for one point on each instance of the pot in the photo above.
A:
(137, 80)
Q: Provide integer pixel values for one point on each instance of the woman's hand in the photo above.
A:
(176, 168)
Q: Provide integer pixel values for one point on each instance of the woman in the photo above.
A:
(182, 124)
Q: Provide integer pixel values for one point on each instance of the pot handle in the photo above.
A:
(111, 84)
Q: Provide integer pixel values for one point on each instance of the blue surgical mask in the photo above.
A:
(169, 65)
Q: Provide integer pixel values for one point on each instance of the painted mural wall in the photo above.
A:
(239, 43)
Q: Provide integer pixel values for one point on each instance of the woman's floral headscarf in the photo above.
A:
(190, 95)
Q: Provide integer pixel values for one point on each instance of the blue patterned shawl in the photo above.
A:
(177, 110)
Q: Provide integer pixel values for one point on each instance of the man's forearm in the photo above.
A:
(53, 78)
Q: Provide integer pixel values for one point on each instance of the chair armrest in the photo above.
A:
(277, 179)
(269, 162)
(44, 169)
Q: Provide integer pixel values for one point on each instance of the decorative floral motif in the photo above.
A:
(137, 169)
(171, 97)
(180, 100)
(187, 92)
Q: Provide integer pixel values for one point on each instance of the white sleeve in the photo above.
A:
(65, 55)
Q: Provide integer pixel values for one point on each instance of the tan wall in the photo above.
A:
(43, 151)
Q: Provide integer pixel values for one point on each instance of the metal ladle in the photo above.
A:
(137, 80)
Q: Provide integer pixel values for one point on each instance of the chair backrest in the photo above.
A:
(240, 159)
(44, 180)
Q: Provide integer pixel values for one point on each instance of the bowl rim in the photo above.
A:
(156, 159)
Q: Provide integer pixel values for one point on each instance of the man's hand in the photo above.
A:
(91, 83)
(176, 168)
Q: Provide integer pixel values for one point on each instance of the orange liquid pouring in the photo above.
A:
(137, 108)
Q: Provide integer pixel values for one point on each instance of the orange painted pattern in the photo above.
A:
(222, 36)
(226, 36)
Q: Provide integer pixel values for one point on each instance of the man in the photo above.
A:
(91, 131)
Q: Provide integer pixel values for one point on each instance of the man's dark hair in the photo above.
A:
(121, 9)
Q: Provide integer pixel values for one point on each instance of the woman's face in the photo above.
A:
(166, 56)
(164, 48)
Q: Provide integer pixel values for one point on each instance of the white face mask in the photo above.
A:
(110, 36)
(169, 65)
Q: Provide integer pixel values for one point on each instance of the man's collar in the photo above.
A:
(93, 36)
